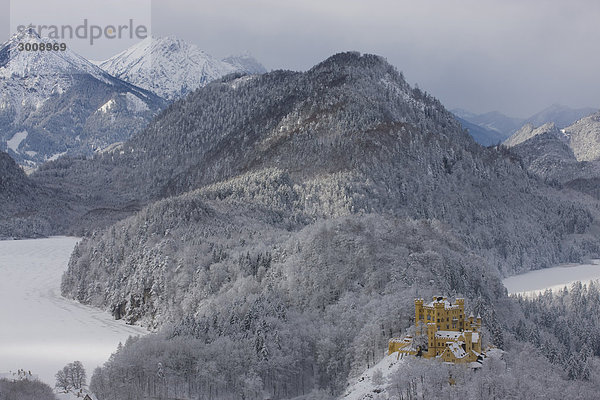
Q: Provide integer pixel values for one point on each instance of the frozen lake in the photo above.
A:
(41, 331)
(554, 278)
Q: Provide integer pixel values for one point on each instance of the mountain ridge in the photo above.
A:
(172, 68)
(56, 102)
(504, 127)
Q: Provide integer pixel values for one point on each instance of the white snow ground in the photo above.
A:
(363, 387)
(16, 140)
(41, 331)
(555, 278)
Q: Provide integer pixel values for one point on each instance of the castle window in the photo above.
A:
(428, 318)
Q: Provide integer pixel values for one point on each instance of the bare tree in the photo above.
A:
(71, 376)
(62, 380)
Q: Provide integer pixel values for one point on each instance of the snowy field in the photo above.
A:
(534, 282)
(39, 330)
(365, 387)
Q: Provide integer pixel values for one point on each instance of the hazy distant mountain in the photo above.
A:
(493, 126)
(561, 116)
(245, 63)
(497, 121)
(56, 102)
(171, 67)
(483, 136)
(481, 126)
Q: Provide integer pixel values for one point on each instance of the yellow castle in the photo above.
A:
(450, 336)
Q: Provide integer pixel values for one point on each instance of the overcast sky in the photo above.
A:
(515, 56)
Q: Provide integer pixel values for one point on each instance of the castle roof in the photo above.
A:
(405, 339)
(441, 300)
(448, 334)
(457, 350)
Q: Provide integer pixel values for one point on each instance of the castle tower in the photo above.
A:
(439, 308)
(468, 341)
(431, 349)
(418, 311)
(470, 322)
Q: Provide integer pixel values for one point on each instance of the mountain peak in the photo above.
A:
(56, 101)
(171, 67)
(25, 33)
(561, 115)
(245, 62)
(351, 58)
(14, 62)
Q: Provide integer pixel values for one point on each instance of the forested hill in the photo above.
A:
(351, 124)
(26, 208)
(300, 215)
(249, 122)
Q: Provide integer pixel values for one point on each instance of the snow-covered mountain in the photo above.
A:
(582, 137)
(56, 102)
(529, 131)
(495, 121)
(569, 156)
(585, 137)
(171, 67)
(482, 135)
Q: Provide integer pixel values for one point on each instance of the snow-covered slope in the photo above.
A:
(14, 62)
(372, 383)
(529, 131)
(50, 102)
(40, 330)
(585, 138)
(171, 67)
(29, 78)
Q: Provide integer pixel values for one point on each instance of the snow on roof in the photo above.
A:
(405, 339)
(448, 334)
(441, 300)
(457, 350)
